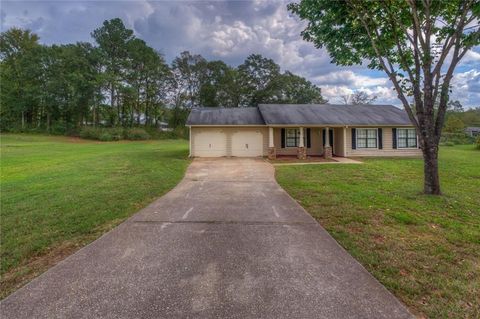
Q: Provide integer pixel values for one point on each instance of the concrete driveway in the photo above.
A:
(227, 242)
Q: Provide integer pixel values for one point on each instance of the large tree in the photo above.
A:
(188, 70)
(113, 38)
(257, 78)
(219, 85)
(19, 69)
(294, 89)
(418, 44)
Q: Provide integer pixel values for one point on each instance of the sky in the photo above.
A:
(226, 30)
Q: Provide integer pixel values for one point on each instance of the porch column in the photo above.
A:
(302, 152)
(272, 154)
(327, 149)
(301, 144)
(327, 137)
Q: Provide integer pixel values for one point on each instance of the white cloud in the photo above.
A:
(227, 30)
(466, 88)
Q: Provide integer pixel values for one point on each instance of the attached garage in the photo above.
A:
(248, 143)
(217, 132)
(209, 143)
(228, 141)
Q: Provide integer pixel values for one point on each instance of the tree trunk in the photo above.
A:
(431, 184)
(94, 118)
(48, 121)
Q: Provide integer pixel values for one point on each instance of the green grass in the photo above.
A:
(59, 193)
(425, 249)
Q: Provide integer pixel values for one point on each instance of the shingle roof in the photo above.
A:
(225, 116)
(298, 114)
(320, 114)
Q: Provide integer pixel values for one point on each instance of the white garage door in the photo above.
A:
(247, 144)
(210, 144)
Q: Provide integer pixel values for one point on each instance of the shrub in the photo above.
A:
(101, 134)
(155, 133)
(181, 132)
(477, 143)
(456, 138)
(448, 144)
(58, 128)
(90, 133)
(117, 133)
(136, 134)
(106, 137)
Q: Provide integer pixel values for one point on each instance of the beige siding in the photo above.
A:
(338, 142)
(229, 131)
(316, 142)
(387, 150)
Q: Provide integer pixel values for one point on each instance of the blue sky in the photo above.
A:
(227, 30)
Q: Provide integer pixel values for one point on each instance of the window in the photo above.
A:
(406, 138)
(292, 137)
(367, 138)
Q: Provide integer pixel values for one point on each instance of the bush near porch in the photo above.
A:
(424, 249)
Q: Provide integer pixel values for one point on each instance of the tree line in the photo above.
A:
(457, 118)
(120, 81)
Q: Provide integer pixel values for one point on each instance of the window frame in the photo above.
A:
(366, 137)
(297, 137)
(407, 138)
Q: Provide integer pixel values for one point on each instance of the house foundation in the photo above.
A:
(327, 152)
(272, 153)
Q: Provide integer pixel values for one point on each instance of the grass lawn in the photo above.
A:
(60, 193)
(424, 249)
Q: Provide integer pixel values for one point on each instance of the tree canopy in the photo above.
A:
(418, 44)
(121, 81)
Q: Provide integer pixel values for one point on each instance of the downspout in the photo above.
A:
(190, 141)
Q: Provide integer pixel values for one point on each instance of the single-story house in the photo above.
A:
(472, 131)
(302, 130)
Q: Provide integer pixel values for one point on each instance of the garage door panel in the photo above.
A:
(210, 144)
(247, 144)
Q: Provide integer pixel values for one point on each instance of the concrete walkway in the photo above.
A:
(227, 242)
(335, 160)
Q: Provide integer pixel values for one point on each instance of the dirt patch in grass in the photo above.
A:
(19, 276)
(38, 264)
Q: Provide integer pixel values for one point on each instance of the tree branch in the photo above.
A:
(416, 24)
(390, 71)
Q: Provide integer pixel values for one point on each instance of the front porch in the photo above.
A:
(306, 142)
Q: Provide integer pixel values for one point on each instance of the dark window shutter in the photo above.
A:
(354, 139)
(394, 138)
(330, 137)
(323, 137)
(380, 138)
(283, 138)
(308, 138)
